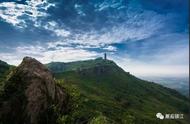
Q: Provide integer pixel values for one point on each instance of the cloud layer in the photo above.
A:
(142, 39)
(19, 14)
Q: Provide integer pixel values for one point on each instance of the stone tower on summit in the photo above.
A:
(105, 56)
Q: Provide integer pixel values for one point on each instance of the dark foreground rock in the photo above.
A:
(31, 96)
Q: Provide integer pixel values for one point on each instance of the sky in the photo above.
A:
(144, 37)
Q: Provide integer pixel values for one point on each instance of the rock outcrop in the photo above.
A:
(31, 95)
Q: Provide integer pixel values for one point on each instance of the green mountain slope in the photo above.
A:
(4, 70)
(4, 67)
(109, 94)
(57, 67)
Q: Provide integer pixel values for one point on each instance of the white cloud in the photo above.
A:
(18, 14)
(79, 9)
(139, 68)
(109, 4)
(10, 58)
(161, 64)
(10, 14)
(56, 29)
(13, 12)
(110, 48)
(137, 27)
(131, 30)
(62, 54)
(53, 45)
(67, 54)
(62, 32)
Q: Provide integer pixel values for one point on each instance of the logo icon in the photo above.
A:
(160, 116)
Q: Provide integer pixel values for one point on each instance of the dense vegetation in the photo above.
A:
(4, 71)
(4, 67)
(104, 93)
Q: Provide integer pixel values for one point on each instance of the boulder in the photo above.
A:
(31, 95)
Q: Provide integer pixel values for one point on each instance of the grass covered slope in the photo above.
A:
(4, 71)
(108, 93)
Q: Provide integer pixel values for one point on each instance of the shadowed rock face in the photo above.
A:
(30, 94)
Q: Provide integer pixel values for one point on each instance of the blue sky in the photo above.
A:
(144, 37)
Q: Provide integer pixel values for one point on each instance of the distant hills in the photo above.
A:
(100, 92)
(181, 84)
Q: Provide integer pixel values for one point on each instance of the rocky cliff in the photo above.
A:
(31, 95)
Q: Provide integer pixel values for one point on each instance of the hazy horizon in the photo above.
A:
(140, 75)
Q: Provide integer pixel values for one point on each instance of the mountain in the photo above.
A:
(4, 71)
(85, 92)
(4, 67)
(57, 67)
(111, 95)
(31, 95)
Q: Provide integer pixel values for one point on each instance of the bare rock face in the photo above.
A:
(30, 95)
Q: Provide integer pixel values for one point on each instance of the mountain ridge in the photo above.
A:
(101, 91)
(98, 83)
(57, 67)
